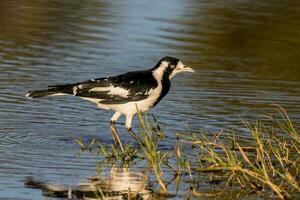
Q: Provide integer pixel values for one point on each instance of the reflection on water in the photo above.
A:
(246, 54)
(120, 183)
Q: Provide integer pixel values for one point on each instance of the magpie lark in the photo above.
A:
(125, 94)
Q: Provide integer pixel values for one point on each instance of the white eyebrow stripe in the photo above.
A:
(112, 90)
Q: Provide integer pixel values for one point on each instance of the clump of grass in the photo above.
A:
(84, 146)
(151, 137)
(113, 154)
(272, 162)
(269, 162)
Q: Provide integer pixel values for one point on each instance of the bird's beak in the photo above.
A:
(180, 68)
(187, 69)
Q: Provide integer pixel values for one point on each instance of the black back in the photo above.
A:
(138, 82)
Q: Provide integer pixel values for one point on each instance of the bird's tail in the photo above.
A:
(52, 90)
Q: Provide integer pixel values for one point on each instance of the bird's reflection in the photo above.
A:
(119, 183)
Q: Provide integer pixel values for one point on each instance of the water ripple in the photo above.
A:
(246, 55)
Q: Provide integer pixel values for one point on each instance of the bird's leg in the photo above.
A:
(128, 127)
(114, 131)
(115, 135)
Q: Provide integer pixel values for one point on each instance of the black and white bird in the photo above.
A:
(126, 94)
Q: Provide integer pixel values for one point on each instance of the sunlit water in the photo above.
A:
(246, 54)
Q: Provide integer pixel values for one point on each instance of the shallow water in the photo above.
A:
(246, 55)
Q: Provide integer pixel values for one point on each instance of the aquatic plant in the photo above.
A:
(151, 137)
(268, 162)
(272, 161)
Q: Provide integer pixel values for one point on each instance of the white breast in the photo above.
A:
(130, 108)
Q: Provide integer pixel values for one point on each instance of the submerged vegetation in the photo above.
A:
(267, 164)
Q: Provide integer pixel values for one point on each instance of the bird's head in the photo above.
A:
(170, 66)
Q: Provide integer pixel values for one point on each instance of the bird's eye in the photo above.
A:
(172, 66)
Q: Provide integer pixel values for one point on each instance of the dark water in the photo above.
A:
(246, 54)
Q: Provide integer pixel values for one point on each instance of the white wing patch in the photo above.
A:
(112, 90)
(58, 94)
(75, 88)
(148, 92)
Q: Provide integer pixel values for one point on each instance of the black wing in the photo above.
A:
(131, 86)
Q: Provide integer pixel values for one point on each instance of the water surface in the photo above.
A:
(246, 54)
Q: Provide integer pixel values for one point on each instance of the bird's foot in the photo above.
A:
(130, 131)
(116, 136)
